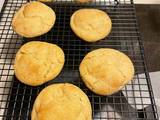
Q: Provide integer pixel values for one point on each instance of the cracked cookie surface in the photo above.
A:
(33, 19)
(62, 102)
(90, 24)
(38, 62)
(106, 71)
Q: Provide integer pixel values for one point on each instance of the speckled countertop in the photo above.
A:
(149, 26)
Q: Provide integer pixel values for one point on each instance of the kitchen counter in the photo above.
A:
(1, 4)
(149, 26)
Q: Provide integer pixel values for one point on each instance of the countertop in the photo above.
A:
(149, 25)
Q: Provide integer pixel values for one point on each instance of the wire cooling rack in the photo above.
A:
(134, 102)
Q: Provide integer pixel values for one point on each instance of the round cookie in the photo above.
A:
(62, 102)
(90, 24)
(46, 0)
(106, 71)
(38, 62)
(33, 19)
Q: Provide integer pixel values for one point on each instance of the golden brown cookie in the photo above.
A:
(38, 62)
(90, 24)
(106, 71)
(62, 102)
(45, 0)
(33, 19)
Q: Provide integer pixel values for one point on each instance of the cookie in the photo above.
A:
(62, 102)
(106, 71)
(33, 19)
(38, 62)
(90, 25)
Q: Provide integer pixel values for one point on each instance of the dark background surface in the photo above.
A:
(149, 26)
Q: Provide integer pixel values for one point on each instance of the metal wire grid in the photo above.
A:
(134, 102)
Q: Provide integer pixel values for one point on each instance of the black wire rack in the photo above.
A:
(134, 102)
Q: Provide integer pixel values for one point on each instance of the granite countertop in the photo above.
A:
(149, 26)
